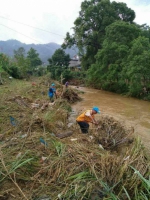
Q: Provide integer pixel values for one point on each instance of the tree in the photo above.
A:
(19, 54)
(58, 63)
(4, 65)
(21, 62)
(145, 31)
(33, 59)
(4, 62)
(111, 59)
(90, 26)
(8, 66)
(122, 33)
(138, 70)
(59, 58)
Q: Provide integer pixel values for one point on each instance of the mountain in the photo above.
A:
(45, 50)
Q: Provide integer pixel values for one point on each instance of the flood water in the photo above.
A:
(129, 111)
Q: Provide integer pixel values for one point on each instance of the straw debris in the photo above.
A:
(70, 95)
(41, 157)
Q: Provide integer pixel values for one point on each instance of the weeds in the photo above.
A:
(143, 194)
(60, 148)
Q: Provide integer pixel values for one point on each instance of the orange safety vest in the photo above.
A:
(84, 118)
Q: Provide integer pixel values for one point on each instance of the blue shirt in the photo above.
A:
(51, 92)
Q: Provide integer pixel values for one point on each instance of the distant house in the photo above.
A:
(75, 64)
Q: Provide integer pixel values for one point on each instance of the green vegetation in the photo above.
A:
(58, 65)
(22, 66)
(114, 51)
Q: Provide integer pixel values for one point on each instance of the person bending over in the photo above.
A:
(87, 117)
(51, 92)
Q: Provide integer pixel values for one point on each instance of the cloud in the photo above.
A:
(56, 17)
(19, 18)
(141, 9)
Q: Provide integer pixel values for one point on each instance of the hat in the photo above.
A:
(96, 109)
(53, 84)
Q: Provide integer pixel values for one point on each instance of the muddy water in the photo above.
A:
(130, 111)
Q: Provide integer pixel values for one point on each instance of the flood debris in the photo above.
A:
(44, 158)
(24, 135)
(111, 134)
(70, 95)
(100, 146)
(74, 139)
(34, 105)
(43, 141)
(21, 100)
(13, 121)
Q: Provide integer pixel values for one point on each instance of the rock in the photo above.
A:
(44, 197)
(63, 135)
(69, 125)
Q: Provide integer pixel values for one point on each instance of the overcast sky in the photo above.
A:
(24, 20)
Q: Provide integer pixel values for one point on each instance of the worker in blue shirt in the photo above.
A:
(52, 92)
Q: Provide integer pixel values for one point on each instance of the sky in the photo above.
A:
(46, 21)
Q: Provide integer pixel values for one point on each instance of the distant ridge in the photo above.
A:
(45, 50)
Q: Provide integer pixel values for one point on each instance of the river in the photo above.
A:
(129, 111)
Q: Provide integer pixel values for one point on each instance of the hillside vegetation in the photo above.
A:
(45, 51)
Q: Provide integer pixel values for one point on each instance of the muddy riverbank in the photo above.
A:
(129, 111)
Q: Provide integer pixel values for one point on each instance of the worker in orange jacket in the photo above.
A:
(87, 117)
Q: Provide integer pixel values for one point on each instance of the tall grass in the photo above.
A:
(13, 166)
(142, 193)
(60, 147)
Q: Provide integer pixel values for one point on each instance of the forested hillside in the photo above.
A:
(45, 51)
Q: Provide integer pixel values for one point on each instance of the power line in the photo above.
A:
(19, 32)
(31, 26)
(23, 34)
(28, 36)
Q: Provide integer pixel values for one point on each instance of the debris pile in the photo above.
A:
(111, 134)
(70, 95)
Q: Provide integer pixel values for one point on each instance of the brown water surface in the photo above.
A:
(130, 111)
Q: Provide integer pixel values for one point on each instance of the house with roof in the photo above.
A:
(75, 63)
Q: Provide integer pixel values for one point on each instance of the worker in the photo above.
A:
(87, 117)
(66, 84)
(52, 92)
